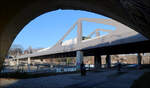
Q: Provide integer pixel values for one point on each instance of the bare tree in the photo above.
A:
(15, 50)
(30, 50)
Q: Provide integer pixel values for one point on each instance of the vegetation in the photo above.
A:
(15, 50)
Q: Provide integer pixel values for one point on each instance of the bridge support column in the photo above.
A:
(79, 59)
(17, 63)
(29, 62)
(97, 61)
(139, 57)
(108, 61)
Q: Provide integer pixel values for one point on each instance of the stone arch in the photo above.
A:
(25, 11)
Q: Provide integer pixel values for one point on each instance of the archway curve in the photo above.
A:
(35, 9)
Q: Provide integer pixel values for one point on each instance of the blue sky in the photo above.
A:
(45, 30)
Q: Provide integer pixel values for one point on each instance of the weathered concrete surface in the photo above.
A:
(108, 79)
(15, 14)
(97, 61)
(108, 61)
(79, 59)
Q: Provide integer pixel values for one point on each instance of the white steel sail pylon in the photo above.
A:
(79, 27)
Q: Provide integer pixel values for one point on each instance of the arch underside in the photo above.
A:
(17, 13)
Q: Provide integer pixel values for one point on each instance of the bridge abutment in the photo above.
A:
(79, 59)
(108, 61)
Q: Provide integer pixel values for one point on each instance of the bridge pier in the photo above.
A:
(97, 61)
(139, 58)
(29, 62)
(108, 61)
(79, 59)
(17, 63)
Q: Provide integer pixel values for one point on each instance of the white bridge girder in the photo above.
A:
(79, 27)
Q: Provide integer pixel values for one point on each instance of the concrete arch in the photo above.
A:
(16, 14)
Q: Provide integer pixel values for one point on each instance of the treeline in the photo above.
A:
(18, 50)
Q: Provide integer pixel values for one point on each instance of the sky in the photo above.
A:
(45, 30)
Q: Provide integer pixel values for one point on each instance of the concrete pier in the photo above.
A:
(97, 61)
(17, 63)
(79, 59)
(139, 58)
(108, 61)
(29, 62)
